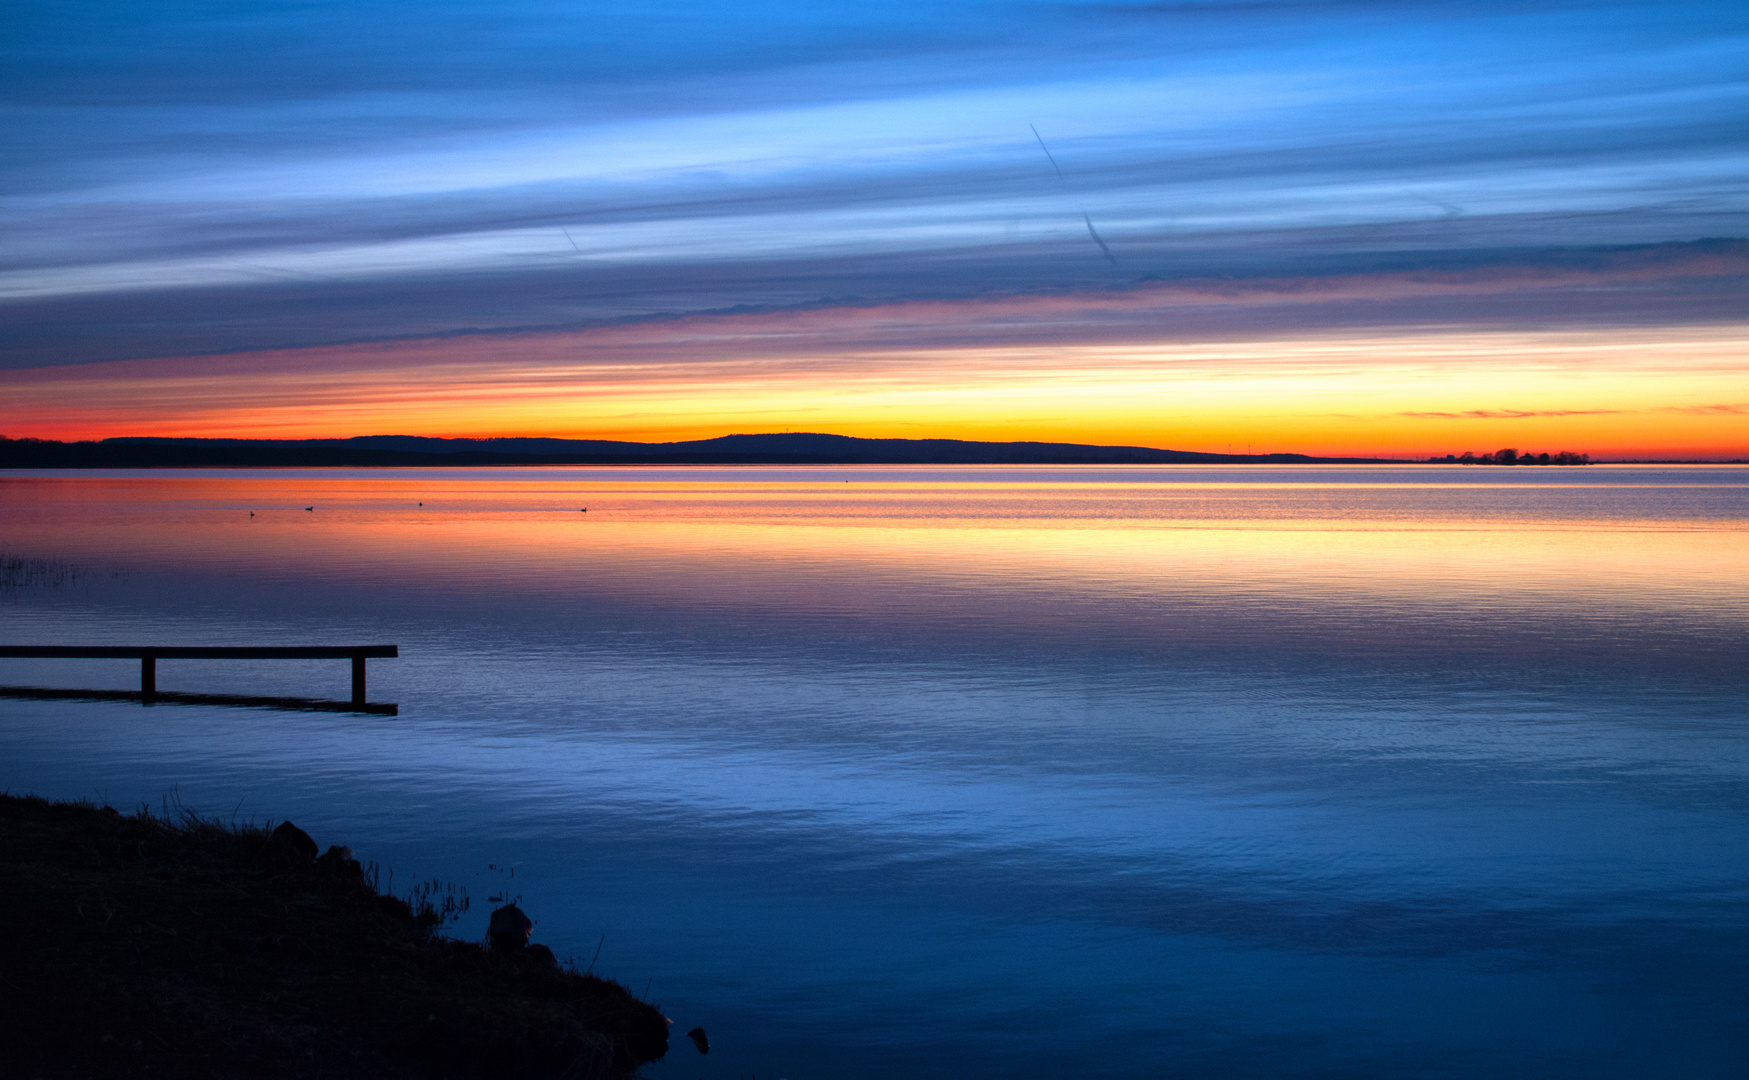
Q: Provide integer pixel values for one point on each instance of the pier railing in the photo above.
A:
(149, 655)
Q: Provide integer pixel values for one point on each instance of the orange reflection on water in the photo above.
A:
(898, 543)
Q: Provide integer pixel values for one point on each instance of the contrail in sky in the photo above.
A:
(1047, 150)
(1091, 231)
(1451, 209)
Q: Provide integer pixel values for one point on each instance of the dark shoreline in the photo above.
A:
(391, 451)
(148, 946)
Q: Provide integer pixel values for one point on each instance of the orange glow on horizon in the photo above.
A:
(1640, 392)
(1668, 393)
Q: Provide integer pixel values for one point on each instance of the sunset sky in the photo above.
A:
(1395, 228)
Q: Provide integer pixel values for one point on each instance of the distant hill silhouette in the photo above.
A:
(777, 449)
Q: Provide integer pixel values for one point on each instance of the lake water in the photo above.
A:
(1126, 772)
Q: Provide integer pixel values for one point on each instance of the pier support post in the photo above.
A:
(148, 678)
(358, 680)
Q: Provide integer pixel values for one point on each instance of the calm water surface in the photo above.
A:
(1129, 772)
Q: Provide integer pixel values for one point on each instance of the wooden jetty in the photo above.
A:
(149, 655)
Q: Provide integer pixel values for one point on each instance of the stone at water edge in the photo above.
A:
(340, 862)
(509, 929)
(296, 839)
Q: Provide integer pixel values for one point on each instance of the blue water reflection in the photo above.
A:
(1222, 772)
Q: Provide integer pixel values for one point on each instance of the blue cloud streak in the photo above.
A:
(363, 166)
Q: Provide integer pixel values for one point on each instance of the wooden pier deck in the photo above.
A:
(149, 655)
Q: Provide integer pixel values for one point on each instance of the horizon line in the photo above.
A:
(1233, 457)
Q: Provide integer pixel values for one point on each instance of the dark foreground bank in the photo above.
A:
(135, 946)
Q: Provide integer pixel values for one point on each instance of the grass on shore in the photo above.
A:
(141, 946)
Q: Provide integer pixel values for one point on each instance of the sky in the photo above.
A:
(1397, 228)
